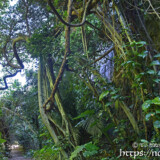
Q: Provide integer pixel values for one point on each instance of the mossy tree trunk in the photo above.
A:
(57, 126)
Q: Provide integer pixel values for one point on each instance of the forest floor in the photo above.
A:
(17, 154)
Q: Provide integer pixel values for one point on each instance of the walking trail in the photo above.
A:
(17, 154)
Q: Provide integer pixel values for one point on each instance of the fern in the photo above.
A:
(88, 150)
(77, 150)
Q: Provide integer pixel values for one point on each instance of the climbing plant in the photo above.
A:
(97, 66)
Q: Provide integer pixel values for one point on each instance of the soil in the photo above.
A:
(17, 155)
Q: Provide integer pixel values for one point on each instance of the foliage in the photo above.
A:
(97, 89)
(1, 140)
(151, 109)
(88, 150)
(48, 152)
(2, 151)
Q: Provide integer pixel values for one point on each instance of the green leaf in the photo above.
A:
(131, 44)
(91, 149)
(156, 80)
(151, 72)
(157, 55)
(156, 101)
(108, 104)
(114, 92)
(143, 54)
(141, 43)
(77, 150)
(157, 111)
(115, 97)
(144, 141)
(84, 114)
(2, 140)
(155, 63)
(42, 150)
(146, 105)
(109, 126)
(89, 153)
(156, 124)
(103, 94)
(43, 134)
(149, 115)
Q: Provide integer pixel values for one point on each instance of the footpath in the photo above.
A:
(17, 154)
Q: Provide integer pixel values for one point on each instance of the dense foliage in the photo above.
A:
(95, 86)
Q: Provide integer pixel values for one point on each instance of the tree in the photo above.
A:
(74, 39)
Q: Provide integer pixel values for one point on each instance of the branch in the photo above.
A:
(153, 9)
(106, 53)
(66, 23)
(22, 38)
(142, 23)
(67, 51)
(21, 66)
(56, 124)
(91, 6)
(8, 76)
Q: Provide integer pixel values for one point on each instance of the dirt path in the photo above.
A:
(17, 155)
